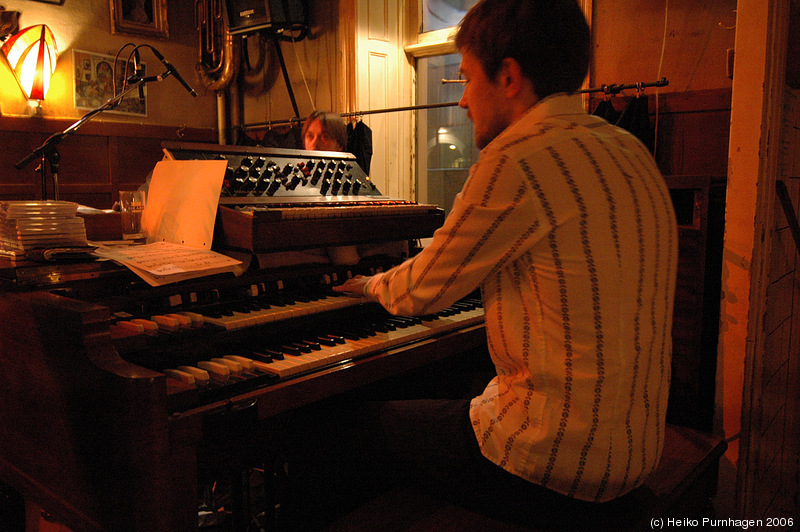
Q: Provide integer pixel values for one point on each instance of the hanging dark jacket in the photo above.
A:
(359, 143)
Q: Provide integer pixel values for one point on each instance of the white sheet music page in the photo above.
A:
(162, 263)
(182, 200)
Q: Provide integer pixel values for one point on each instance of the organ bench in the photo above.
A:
(681, 487)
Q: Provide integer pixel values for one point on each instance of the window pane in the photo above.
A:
(445, 146)
(440, 14)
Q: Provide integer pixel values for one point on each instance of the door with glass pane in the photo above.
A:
(445, 147)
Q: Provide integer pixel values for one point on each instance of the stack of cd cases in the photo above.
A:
(35, 225)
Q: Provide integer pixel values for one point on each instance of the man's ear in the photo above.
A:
(511, 78)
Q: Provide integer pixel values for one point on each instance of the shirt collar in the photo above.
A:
(555, 105)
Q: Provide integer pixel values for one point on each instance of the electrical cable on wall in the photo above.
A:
(660, 64)
(286, 77)
(303, 75)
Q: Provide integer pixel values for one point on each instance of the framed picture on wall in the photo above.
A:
(94, 85)
(146, 18)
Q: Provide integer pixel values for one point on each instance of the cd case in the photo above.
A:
(28, 225)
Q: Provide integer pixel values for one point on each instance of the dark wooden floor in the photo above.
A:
(408, 511)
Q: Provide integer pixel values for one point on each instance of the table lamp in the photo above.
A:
(32, 55)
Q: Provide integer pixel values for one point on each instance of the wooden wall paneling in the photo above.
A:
(18, 184)
(697, 145)
(776, 464)
(791, 459)
(83, 172)
(134, 159)
(96, 161)
(693, 131)
(793, 47)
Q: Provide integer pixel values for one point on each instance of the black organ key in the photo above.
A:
(262, 303)
(401, 321)
(323, 340)
(290, 350)
(364, 331)
(333, 338)
(224, 310)
(210, 313)
(301, 346)
(382, 326)
(263, 355)
(312, 344)
(352, 334)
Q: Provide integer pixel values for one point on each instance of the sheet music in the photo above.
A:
(163, 263)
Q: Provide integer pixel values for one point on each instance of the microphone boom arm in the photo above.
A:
(48, 150)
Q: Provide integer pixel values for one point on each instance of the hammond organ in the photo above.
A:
(118, 398)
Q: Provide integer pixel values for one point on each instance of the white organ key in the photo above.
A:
(196, 319)
(234, 366)
(165, 322)
(150, 327)
(218, 372)
(261, 366)
(131, 327)
(179, 375)
(201, 376)
(184, 322)
(282, 368)
(239, 320)
(248, 364)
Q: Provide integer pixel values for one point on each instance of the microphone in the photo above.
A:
(171, 70)
(137, 73)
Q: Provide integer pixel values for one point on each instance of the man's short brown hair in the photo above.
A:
(548, 38)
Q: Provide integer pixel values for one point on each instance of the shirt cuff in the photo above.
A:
(366, 292)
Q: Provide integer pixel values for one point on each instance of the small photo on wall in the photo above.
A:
(146, 18)
(94, 83)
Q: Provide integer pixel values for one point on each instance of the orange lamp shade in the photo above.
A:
(32, 54)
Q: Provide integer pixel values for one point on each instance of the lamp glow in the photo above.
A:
(32, 54)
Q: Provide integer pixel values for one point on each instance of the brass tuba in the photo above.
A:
(220, 52)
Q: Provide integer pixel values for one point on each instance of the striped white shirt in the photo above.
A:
(567, 227)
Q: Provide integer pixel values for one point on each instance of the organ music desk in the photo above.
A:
(101, 426)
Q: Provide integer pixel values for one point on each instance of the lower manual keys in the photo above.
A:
(182, 376)
(219, 373)
(201, 376)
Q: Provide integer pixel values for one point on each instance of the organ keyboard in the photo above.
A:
(117, 395)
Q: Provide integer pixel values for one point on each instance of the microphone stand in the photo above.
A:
(48, 151)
